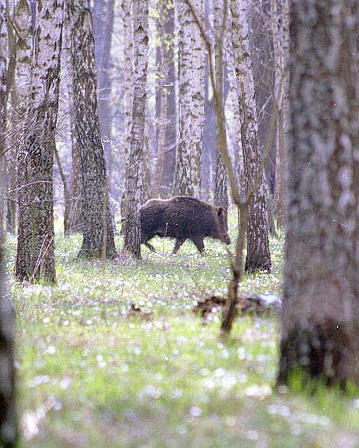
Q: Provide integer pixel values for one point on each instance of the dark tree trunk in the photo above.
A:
(8, 420)
(35, 249)
(98, 237)
(73, 218)
(320, 320)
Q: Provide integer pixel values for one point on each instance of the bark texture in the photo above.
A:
(98, 237)
(170, 82)
(127, 25)
(103, 31)
(8, 423)
(191, 102)
(220, 28)
(8, 420)
(320, 322)
(166, 102)
(258, 255)
(72, 213)
(134, 171)
(280, 30)
(35, 248)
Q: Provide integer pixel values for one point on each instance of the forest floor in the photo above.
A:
(92, 374)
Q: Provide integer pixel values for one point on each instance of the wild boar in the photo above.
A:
(182, 217)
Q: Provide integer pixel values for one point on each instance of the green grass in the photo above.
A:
(90, 375)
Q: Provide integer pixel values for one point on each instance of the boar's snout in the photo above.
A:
(226, 238)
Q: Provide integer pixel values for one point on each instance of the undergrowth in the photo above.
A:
(91, 374)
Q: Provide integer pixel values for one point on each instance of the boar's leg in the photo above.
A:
(198, 242)
(179, 242)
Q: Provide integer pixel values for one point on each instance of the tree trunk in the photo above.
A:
(220, 27)
(10, 161)
(170, 81)
(134, 171)
(20, 43)
(103, 31)
(35, 249)
(279, 22)
(258, 255)
(8, 421)
(73, 216)
(320, 319)
(191, 103)
(127, 24)
(98, 237)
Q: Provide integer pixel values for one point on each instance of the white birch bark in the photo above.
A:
(197, 106)
(127, 6)
(134, 171)
(20, 43)
(8, 420)
(280, 25)
(220, 27)
(3, 78)
(35, 249)
(191, 102)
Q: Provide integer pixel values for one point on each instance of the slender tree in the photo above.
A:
(103, 15)
(280, 25)
(3, 85)
(165, 100)
(98, 237)
(220, 27)
(258, 255)
(127, 35)
(8, 427)
(72, 187)
(8, 420)
(20, 46)
(134, 169)
(169, 85)
(35, 248)
(320, 319)
(191, 102)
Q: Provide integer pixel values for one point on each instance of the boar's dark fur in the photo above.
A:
(182, 217)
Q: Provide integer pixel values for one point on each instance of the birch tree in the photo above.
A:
(8, 428)
(3, 85)
(98, 237)
(170, 82)
(134, 169)
(167, 132)
(72, 190)
(220, 27)
(280, 25)
(103, 31)
(258, 255)
(35, 258)
(126, 8)
(320, 319)
(20, 46)
(8, 420)
(191, 102)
